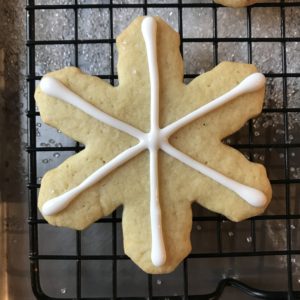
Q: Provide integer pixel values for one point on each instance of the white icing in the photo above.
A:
(252, 196)
(57, 204)
(252, 83)
(153, 141)
(54, 88)
(158, 252)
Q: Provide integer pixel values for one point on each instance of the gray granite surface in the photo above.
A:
(13, 137)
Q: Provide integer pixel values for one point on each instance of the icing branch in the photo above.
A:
(158, 252)
(250, 84)
(253, 196)
(57, 204)
(55, 88)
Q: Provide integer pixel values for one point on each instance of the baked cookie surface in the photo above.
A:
(239, 3)
(131, 183)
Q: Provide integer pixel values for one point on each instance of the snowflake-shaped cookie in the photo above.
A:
(240, 3)
(153, 144)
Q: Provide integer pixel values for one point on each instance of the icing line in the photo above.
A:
(153, 141)
(158, 252)
(253, 82)
(57, 204)
(253, 196)
(55, 88)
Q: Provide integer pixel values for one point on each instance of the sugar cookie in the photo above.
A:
(152, 144)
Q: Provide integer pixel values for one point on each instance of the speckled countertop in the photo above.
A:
(13, 141)
(95, 59)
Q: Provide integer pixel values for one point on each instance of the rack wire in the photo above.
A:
(288, 216)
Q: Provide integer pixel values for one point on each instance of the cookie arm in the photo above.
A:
(252, 83)
(72, 122)
(253, 196)
(238, 3)
(218, 82)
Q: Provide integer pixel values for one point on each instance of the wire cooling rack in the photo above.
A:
(270, 242)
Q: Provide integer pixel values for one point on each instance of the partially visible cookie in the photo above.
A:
(152, 144)
(239, 3)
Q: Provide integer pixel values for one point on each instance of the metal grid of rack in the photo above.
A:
(287, 216)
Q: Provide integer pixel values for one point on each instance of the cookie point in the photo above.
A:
(253, 196)
(50, 85)
(45, 84)
(148, 24)
(158, 260)
(253, 83)
(48, 209)
(54, 206)
(149, 19)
